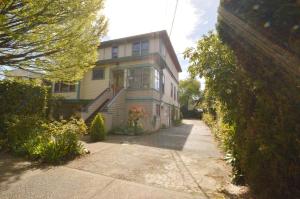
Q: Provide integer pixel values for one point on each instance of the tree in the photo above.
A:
(189, 91)
(54, 37)
(97, 129)
(255, 117)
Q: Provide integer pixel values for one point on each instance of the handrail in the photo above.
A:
(90, 103)
(114, 98)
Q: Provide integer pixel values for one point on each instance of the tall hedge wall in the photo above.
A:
(267, 137)
(22, 98)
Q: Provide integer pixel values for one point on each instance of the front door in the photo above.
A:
(118, 81)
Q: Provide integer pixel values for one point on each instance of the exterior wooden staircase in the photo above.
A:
(96, 105)
(110, 103)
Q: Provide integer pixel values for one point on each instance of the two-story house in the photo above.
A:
(139, 70)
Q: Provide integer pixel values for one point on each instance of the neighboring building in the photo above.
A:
(20, 74)
(141, 71)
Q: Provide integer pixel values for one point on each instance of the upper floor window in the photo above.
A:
(156, 79)
(139, 78)
(98, 74)
(114, 52)
(144, 47)
(60, 87)
(140, 48)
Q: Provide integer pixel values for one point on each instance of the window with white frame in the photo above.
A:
(156, 79)
(140, 48)
(60, 87)
(139, 78)
(144, 47)
(114, 52)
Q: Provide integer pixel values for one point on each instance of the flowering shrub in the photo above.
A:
(135, 114)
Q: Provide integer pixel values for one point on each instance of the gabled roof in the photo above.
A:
(161, 34)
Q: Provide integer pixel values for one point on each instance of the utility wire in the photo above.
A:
(173, 18)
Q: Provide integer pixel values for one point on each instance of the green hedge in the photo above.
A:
(253, 106)
(267, 137)
(22, 98)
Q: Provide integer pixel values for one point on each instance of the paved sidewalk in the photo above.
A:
(180, 162)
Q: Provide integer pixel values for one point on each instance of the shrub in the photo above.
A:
(135, 114)
(97, 129)
(22, 98)
(177, 122)
(38, 139)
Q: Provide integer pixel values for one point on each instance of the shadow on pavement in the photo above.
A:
(172, 138)
(12, 169)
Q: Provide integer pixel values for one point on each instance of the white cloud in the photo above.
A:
(132, 17)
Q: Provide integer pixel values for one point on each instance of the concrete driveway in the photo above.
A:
(180, 162)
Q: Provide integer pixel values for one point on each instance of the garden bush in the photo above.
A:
(42, 140)
(97, 129)
(135, 114)
(22, 98)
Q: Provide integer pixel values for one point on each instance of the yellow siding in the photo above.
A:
(90, 89)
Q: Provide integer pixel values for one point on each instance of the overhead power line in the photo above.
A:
(173, 18)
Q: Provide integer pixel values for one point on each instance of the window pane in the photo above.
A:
(145, 47)
(136, 47)
(146, 77)
(98, 73)
(64, 87)
(156, 79)
(135, 78)
(72, 88)
(114, 52)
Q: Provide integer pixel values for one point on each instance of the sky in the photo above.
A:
(193, 19)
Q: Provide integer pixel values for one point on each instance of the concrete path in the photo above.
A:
(181, 162)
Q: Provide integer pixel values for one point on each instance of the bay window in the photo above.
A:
(139, 78)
